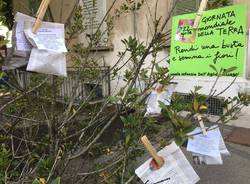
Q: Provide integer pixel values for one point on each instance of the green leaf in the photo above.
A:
(197, 88)
(56, 181)
(3, 43)
(113, 99)
(229, 70)
(1, 75)
(214, 68)
(127, 139)
(36, 181)
(157, 67)
(189, 129)
(196, 105)
(124, 120)
(179, 140)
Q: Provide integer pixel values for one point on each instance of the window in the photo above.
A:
(94, 12)
(191, 6)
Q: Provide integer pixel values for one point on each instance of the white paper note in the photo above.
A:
(176, 169)
(47, 62)
(205, 145)
(49, 37)
(22, 44)
(222, 146)
(153, 107)
(204, 159)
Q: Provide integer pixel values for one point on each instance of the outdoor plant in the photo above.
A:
(86, 142)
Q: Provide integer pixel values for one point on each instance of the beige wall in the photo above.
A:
(61, 9)
(124, 27)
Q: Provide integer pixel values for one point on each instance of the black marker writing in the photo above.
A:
(158, 182)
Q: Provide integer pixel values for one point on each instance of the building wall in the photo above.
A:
(139, 24)
(187, 83)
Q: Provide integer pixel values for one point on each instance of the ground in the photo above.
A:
(235, 170)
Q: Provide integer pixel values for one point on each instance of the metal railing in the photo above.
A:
(76, 85)
(80, 88)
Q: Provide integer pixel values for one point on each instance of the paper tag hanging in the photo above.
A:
(162, 94)
(176, 169)
(202, 145)
(49, 37)
(47, 62)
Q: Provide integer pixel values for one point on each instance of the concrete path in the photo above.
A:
(243, 119)
(235, 170)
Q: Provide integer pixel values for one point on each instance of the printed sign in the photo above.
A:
(176, 169)
(207, 149)
(220, 41)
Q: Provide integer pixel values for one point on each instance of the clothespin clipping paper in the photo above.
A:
(40, 15)
(193, 23)
(203, 128)
(157, 161)
(175, 167)
(198, 17)
(199, 14)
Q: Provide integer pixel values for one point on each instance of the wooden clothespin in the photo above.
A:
(203, 128)
(197, 20)
(159, 161)
(199, 14)
(40, 15)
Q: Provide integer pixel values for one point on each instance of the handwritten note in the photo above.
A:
(220, 41)
(176, 169)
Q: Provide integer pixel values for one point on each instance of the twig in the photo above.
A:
(102, 169)
(207, 129)
(21, 118)
(84, 150)
(124, 168)
(54, 164)
(23, 170)
(22, 95)
(105, 16)
(214, 84)
(130, 179)
(226, 87)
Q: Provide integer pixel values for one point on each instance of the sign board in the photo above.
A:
(220, 41)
